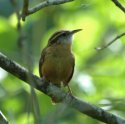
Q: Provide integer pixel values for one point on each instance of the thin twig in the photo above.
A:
(25, 9)
(16, 8)
(118, 4)
(3, 119)
(107, 45)
(28, 60)
(51, 90)
(21, 37)
(46, 4)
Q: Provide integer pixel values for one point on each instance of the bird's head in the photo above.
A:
(62, 37)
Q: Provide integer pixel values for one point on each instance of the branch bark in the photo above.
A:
(119, 5)
(51, 90)
(40, 6)
(3, 119)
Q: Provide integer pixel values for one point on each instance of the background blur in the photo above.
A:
(99, 76)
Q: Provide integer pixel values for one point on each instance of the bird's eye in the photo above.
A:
(64, 34)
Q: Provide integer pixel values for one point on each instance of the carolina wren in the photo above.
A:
(57, 61)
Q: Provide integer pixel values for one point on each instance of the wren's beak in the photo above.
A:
(75, 31)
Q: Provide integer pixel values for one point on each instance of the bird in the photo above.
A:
(57, 61)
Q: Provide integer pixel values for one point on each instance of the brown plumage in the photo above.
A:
(57, 62)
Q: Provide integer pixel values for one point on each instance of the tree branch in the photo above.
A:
(51, 90)
(3, 119)
(41, 5)
(16, 8)
(118, 4)
(107, 45)
(25, 9)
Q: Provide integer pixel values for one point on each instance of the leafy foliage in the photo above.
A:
(99, 75)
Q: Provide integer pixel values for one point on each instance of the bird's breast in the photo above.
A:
(57, 64)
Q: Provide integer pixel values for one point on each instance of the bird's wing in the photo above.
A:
(41, 61)
(73, 65)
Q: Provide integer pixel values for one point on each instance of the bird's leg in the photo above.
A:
(69, 89)
(69, 94)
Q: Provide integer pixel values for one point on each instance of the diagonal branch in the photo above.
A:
(41, 5)
(3, 119)
(51, 90)
(118, 4)
(107, 45)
